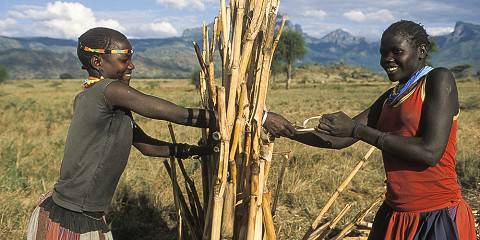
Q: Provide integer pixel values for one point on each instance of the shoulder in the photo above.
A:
(440, 80)
(439, 76)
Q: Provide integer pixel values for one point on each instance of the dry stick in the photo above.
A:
(188, 181)
(230, 200)
(250, 36)
(185, 213)
(228, 213)
(268, 55)
(267, 217)
(360, 216)
(279, 34)
(254, 187)
(208, 70)
(322, 234)
(266, 153)
(261, 185)
(191, 186)
(220, 181)
(338, 191)
(281, 177)
(246, 181)
(234, 82)
(203, 92)
(175, 186)
(202, 78)
(225, 38)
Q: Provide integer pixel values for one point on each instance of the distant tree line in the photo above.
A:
(3, 73)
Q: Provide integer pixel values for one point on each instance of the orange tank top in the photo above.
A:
(411, 186)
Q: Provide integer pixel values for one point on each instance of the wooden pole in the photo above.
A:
(360, 216)
(337, 192)
(280, 179)
(323, 233)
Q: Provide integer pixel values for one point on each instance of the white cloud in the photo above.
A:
(359, 16)
(154, 29)
(7, 25)
(181, 4)
(315, 14)
(435, 31)
(61, 19)
(354, 15)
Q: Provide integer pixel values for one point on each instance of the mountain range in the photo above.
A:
(40, 57)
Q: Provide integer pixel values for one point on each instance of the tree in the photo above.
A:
(291, 48)
(3, 73)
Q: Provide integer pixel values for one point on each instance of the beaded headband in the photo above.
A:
(105, 51)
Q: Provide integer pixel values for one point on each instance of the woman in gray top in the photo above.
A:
(100, 137)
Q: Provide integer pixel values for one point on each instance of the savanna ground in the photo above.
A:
(35, 118)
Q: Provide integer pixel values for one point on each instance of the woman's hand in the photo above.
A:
(183, 151)
(336, 124)
(278, 126)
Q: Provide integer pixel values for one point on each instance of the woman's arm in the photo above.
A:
(149, 146)
(152, 147)
(439, 108)
(122, 95)
(320, 139)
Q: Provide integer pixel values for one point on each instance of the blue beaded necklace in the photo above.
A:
(396, 94)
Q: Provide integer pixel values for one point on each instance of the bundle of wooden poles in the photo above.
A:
(234, 202)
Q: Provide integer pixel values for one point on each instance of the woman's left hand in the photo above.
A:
(336, 124)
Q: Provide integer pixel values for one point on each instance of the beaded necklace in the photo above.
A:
(401, 89)
(90, 81)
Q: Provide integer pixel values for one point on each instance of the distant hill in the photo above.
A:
(40, 57)
(462, 46)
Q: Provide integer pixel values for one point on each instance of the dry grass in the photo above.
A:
(36, 114)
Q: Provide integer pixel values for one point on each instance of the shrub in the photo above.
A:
(66, 76)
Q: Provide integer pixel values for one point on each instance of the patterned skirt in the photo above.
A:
(452, 223)
(52, 222)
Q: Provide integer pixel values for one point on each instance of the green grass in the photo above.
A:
(36, 115)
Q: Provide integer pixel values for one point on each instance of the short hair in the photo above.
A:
(411, 30)
(98, 37)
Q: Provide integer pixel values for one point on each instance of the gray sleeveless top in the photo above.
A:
(96, 152)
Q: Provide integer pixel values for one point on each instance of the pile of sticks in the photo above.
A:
(317, 231)
(234, 202)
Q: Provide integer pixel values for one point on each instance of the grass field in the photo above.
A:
(35, 117)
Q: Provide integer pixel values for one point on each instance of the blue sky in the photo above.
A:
(167, 18)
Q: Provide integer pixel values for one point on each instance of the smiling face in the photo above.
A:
(400, 57)
(118, 66)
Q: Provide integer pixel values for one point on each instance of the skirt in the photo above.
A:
(452, 223)
(50, 221)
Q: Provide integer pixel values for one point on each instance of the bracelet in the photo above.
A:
(181, 150)
(381, 140)
(264, 118)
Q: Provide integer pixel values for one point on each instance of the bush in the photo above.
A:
(66, 76)
(461, 71)
(3, 73)
(195, 78)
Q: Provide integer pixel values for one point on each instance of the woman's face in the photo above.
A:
(400, 57)
(118, 66)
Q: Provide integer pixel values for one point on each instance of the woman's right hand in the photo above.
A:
(278, 126)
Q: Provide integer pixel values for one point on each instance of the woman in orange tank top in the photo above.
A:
(414, 124)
